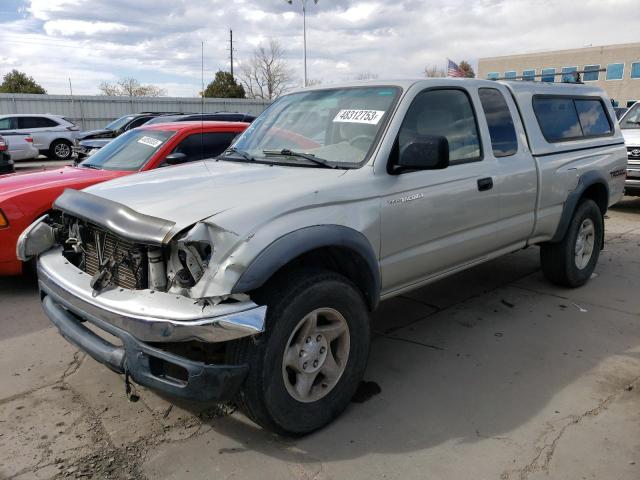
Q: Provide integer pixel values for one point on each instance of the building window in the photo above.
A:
(548, 74)
(635, 70)
(591, 73)
(615, 71)
(510, 75)
(529, 75)
(631, 103)
(568, 74)
(493, 76)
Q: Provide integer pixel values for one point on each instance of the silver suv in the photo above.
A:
(53, 135)
(630, 125)
(251, 276)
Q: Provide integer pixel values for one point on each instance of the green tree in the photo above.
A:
(224, 86)
(467, 69)
(20, 82)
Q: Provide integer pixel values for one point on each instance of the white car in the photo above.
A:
(53, 135)
(20, 146)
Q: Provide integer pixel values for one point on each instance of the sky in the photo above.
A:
(159, 41)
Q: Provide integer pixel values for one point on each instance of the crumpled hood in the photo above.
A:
(631, 136)
(189, 193)
(101, 133)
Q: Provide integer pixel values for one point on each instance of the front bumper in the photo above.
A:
(147, 365)
(147, 315)
(139, 317)
(632, 183)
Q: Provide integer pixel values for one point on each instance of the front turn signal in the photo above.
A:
(4, 223)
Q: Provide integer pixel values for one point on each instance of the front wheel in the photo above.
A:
(306, 367)
(570, 262)
(60, 150)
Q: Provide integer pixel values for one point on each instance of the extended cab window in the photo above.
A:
(567, 118)
(504, 141)
(446, 113)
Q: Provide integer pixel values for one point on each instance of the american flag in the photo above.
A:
(453, 70)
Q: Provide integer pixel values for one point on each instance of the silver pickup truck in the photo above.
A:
(250, 277)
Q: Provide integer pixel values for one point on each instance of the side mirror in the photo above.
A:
(175, 158)
(426, 152)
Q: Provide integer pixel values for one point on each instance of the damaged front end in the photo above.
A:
(123, 272)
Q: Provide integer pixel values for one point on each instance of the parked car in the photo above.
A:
(252, 276)
(89, 146)
(20, 146)
(630, 125)
(219, 116)
(25, 197)
(6, 163)
(121, 125)
(53, 135)
(86, 148)
(620, 111)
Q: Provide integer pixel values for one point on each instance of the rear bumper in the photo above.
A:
(147, 366)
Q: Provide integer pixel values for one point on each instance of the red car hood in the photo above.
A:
(57, 180)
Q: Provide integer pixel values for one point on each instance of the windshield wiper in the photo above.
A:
(241, 153)
(307, 156)
(88, 165)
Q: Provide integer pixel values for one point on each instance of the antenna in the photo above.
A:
(231, 49)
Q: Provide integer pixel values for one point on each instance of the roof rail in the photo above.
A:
(576, 78)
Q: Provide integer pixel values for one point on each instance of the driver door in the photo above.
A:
(435, 221)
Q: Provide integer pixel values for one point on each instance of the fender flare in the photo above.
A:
(586, 180)
(292, 245)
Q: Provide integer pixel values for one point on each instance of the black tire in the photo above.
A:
(60, 150)
(558, 259)
(264, 397)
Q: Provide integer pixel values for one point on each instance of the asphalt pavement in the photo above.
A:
(490, 374)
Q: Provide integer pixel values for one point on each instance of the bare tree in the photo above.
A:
(266, 75)
(130, 87)
(367, 75)
(433, 71)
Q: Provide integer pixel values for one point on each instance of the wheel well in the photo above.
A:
(599, 194)
(342, 260)
(63, 140)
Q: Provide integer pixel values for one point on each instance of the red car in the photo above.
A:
(25, 197)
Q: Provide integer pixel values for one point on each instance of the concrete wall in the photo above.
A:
(91, 112)
(625, 90)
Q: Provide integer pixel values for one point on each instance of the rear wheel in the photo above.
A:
(60, 150)
(306, 367)
(571, 261)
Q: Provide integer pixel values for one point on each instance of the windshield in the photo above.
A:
(119, 123)
(129, 151)
(339, 126)
(632, 117)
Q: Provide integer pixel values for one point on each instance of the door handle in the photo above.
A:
(485, 184)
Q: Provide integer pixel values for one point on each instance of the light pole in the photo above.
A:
(304, 36)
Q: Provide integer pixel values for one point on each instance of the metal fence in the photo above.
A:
(90, 112)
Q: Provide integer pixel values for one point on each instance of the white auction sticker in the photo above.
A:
(152, 142)
(371, 117)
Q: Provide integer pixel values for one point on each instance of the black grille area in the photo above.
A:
(633, 152)
(90, 248)
(130, 261)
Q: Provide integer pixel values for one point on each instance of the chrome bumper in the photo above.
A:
(147, 315)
